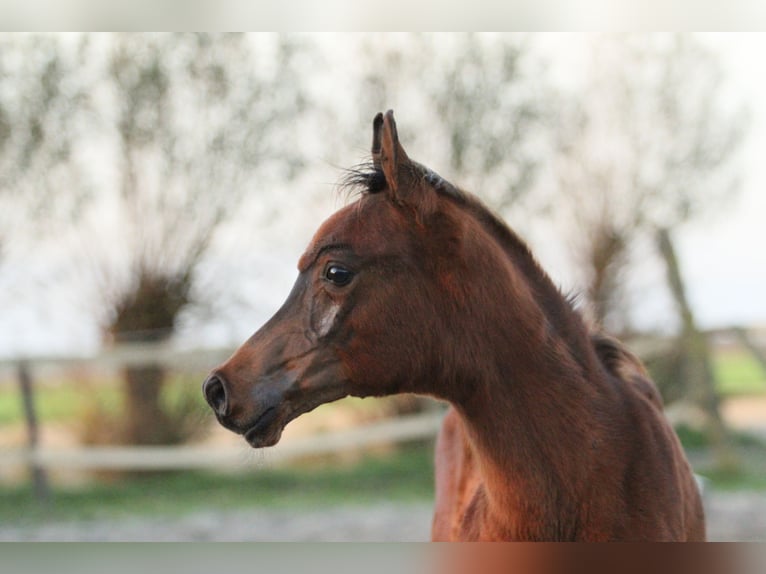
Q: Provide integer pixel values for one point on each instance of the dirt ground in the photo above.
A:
(736, 516)
(746, 413)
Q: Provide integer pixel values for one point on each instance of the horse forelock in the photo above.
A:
(363, 179)
(367, 178)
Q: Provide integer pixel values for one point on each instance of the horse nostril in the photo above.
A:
(214, 389)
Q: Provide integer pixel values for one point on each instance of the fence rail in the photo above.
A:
(401, 429)
(129, 355)
(38, 457)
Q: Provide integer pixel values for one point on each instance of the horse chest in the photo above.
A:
(462, 508)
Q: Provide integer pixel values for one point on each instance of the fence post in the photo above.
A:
(39, 477)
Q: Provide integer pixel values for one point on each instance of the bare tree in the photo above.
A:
(477, 94)
(44, 110)
(490, 100)
(644, 145)
(193, 123)
(647, 148)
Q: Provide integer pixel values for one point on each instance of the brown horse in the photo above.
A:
(554, 433)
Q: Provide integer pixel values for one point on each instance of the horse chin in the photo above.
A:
(266, 431)
(261, 439)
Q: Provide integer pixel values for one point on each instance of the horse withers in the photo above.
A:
(554, 432)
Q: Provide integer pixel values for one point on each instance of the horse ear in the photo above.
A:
(377, 135)
(387, 153)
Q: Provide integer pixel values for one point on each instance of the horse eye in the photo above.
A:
(338, 275)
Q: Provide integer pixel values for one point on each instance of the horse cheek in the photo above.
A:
(364, 354)
(323, 312)
(326, 319)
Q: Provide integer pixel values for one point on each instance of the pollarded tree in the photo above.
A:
(644, 144)
(44, 113)
(193, 124)
(648, 147)
(478, 98)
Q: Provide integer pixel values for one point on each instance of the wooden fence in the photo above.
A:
(39, 458)
(403, 428)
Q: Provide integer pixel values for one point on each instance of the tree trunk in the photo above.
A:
(605, 258)
(148, 315)
(145, 422)
(696, 364)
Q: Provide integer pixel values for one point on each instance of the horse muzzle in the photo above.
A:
(259, 418)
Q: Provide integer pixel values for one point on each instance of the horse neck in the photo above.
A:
(533, 391)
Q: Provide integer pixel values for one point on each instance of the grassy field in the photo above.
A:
(738, 373)
(67, 401)
(53, 403)
(403, 476)
(752, 476)
(406, 475)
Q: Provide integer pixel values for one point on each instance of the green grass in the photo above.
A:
(406, 475)
(749, 468)
(693, 438)
(64, 402)
(403, 476)
(746, 471)
(742, 479)
(738, 373)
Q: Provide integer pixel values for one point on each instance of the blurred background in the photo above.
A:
(157, 190)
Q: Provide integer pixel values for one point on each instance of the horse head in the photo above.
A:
(355, 320)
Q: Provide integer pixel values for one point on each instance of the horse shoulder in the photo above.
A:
(659, 484)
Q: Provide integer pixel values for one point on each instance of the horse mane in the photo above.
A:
(559, 308)
(624, 365)
(367, 179)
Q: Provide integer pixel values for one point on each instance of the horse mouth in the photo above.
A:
(266, 428)
(264, 432)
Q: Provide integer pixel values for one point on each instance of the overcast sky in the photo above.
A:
(725, 256)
